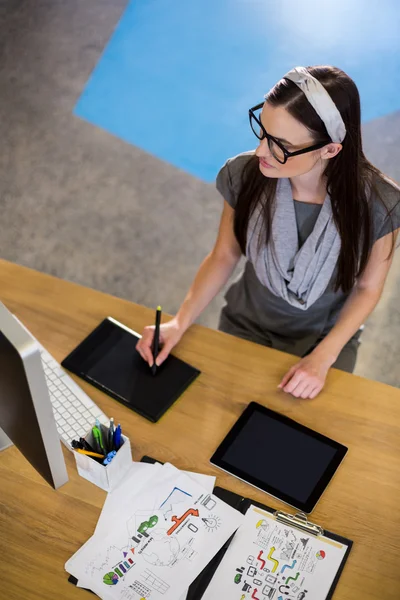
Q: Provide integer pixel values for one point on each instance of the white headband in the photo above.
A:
(320, 100)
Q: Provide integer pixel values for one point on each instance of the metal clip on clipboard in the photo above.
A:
(298, 521)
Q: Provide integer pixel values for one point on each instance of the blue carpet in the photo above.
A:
(178, 76)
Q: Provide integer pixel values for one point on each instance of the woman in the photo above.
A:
(317, 223)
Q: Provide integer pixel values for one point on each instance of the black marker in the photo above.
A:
(156, 340)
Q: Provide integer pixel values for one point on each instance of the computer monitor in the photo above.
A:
(26, 413)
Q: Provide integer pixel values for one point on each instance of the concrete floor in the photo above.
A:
(80, 204)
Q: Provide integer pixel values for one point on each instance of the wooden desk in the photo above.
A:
(41, 528)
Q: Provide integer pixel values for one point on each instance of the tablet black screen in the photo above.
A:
(108, 359)
(280, 456)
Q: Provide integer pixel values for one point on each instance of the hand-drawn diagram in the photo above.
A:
(287, 566)
(187, 550)
(212, 522)
(263, 524)
(179, 520)
(110, 578)
(246, 586)
(209, 502)
(293, 578)
(139, 526)
(163, 550)
(239, 574)
(177, 496)
(284, 589)
(140, 588)
(262, 561)
(287, 551)
(269, 557)
(264, 533)
(111, 555)
(131, 592)
(269, 591)
(154, 582)
(304, 542)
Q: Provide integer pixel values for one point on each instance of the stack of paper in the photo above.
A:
(156, 533)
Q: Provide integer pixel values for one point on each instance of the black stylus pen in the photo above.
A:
(156, 340)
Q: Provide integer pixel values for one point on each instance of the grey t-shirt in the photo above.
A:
(254, 313)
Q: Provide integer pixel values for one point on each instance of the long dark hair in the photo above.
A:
(350, 176)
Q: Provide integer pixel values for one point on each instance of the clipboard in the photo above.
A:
(242, 504)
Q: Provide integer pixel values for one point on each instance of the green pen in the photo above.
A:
(98, 438)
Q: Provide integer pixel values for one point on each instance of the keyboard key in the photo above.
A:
(62, 387)
(57, 417)
(71, 420)
(86, 401)
(67, 404)
(81, 408)
(61, 421)
(82, 421)
(62, 410)
(80, 433)
(57, 394)
(76, 403)
(52, 387)
(86, 414)
(96, 412)
(56, 404)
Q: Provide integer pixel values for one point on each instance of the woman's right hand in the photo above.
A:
(170, 334)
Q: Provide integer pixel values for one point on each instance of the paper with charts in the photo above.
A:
(268, 560)
(173, 530)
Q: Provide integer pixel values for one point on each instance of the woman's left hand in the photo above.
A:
(307, 377)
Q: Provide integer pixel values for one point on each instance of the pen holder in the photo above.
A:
(105, 476)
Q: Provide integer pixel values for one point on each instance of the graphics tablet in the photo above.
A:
(279, 456)
(108, 359)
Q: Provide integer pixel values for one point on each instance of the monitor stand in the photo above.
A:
(5, 441)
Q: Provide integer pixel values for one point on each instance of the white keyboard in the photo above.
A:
(75, 413)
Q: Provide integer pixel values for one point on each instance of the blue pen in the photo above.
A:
(109, 457)
(117, 437)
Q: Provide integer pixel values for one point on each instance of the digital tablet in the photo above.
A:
(108, 359)
(279, 456)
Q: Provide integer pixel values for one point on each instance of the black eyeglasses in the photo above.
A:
(278, 151)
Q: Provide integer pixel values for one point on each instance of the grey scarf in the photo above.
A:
(299, 276)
